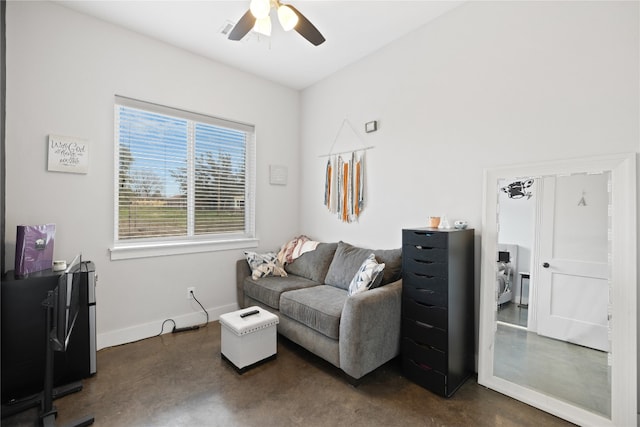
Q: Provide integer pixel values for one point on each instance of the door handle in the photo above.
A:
(545, 265)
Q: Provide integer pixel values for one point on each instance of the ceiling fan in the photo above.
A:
(257, 19)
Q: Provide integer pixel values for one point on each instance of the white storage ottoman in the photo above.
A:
(246, 341)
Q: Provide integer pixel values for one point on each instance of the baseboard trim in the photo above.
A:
(151, 329)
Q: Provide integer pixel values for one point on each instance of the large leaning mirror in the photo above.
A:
(558, 289)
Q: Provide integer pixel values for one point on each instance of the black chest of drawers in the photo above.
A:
(437, 307)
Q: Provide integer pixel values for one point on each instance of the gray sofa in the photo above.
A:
(356, 333)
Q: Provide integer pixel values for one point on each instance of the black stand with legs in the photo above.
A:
(48, 412)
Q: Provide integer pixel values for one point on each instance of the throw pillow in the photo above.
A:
(367, 274)
(264, 265)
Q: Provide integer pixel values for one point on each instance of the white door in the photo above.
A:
(573, 275)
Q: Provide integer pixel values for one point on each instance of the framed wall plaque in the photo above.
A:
(68, 154)
(277, 175)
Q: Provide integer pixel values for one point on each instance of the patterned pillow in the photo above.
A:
(264, 265)
(367, 274)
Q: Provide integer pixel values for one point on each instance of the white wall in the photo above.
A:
(63, 70)
(487, 84)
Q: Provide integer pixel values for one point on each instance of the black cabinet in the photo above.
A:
(23, 335)
(437, 307)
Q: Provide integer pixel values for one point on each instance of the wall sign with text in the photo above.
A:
(68, 154)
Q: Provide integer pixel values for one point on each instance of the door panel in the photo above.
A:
(586, 292)
(574, 280)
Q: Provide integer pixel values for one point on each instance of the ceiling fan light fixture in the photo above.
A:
(260, 8)
(287, 17)
(263, 26)
(258, 18)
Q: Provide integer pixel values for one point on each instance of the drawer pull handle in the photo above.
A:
(428, 347)
(423, 261)
(426, 276)
(421, 365)
(425, 305)
(425, 367)
(425, 325)
(429, 306)
(424, 248)
(427, 291)
(424, 234)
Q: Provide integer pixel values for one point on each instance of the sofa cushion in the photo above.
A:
(348, 259)
(267, 290)
(313, 265)
(319, 308)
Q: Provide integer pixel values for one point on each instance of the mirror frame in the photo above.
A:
(623, 269)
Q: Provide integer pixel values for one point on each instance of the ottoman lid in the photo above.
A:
(246, 325)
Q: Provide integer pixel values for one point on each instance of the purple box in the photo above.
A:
(34, 248)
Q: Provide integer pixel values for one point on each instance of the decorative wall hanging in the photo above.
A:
(519, 189)
(344, 193)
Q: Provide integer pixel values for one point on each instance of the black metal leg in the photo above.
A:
(47, 410)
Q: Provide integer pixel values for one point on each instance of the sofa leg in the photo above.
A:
(355, 382)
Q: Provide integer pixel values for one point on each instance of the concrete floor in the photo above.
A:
(512, 313)
(181, 380)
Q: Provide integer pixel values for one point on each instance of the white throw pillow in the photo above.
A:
(366, 275)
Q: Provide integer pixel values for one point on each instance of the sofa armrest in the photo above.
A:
(242, 272)
(370, 329)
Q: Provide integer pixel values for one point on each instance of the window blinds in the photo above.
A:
(181, 174)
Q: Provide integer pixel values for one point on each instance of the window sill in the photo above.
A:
(139, 250)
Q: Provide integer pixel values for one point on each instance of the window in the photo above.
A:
(181, 177)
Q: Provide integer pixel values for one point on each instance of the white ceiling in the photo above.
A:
(353, 29)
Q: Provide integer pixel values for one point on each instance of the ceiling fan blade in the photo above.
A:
(244, 25)
(306, 29)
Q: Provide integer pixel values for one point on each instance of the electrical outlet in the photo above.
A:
(189, 290)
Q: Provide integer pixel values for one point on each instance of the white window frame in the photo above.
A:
(162, 246)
